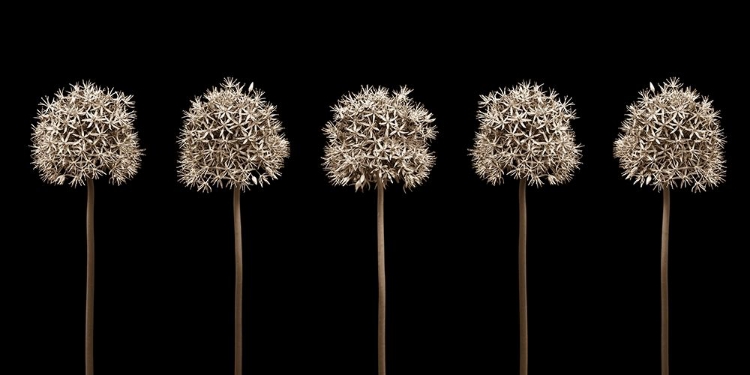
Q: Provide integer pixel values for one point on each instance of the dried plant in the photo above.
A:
(672, 138)
(83, 134)
(669, 139)
(234, 139)
(231, 138)
(525, 132)
(379, 138)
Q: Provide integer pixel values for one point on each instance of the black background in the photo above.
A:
(165, 260)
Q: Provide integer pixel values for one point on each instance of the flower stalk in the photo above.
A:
(381, 281)
(664, 285)
(237, 284)
(89, 342)
(522, 294)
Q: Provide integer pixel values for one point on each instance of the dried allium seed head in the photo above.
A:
(231, 138)
(671, 138)
(85, 133)
(525, 133)
(376, 135)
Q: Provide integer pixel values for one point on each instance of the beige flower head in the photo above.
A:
(231, 139)
(84, 133)
(671, 138)
(525, 132)
(379, 136)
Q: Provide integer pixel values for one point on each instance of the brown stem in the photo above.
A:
(664, 286)
(381, 283)
(237, 284)
(522, 303)
(90, 277)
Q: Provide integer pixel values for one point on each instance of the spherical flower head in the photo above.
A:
(378, 136)
(671, 138)
(85, 133)
(525, 132)
(231, 139)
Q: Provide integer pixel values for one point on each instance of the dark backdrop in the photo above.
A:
(165, 257)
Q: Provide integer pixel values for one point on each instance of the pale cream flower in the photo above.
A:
(85, 133)
(378, 136)
(525, 132)
(231, 139)
(672, 138)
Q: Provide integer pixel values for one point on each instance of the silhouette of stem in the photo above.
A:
(664, 286)
(237, 284)
(522, 302)
(90, 277)
(381, 283)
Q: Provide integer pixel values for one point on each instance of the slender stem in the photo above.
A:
(381, 283)
(237, 284)
(664, 286)
(90, 278)
(522, 303)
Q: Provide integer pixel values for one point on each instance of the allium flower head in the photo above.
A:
(377, 135)
(85, 133)
(525, 132)
(671, 138)
(231, 138)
